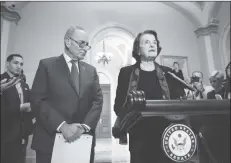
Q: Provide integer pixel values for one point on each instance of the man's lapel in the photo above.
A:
(25, 91)
(65, 72)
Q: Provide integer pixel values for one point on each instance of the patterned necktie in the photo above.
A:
(75, 75)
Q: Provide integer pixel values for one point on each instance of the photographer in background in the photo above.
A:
(201, 90)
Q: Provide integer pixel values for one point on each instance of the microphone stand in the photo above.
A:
(181, 81)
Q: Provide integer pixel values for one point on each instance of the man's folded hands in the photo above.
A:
(72, 132)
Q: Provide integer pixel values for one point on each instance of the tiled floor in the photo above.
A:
(105, 152)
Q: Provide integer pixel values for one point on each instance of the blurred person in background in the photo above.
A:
(179, 91)
(217, 82)
(16, 115)
(200, 90)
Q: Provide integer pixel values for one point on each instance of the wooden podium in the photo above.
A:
(137, 108)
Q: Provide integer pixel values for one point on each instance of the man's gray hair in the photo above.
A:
(71, 30)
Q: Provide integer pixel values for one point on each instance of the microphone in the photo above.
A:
(181, 81)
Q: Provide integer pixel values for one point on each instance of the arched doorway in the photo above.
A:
(103, 129)
(118, 41)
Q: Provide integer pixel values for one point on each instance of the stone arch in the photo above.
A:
(212, 11)
(223, 43)
(110, 30)
(103, 78)
(111, 25)
(187, 9)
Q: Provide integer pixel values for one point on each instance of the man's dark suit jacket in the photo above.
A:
(55, 99)
(14, 123)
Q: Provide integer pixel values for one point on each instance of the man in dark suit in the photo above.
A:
(66, 96)
(16, 115)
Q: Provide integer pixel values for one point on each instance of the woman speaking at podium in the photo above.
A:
(153, 79)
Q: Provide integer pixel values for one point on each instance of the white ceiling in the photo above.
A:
(197, 12)
(18, 5)
(15, 5)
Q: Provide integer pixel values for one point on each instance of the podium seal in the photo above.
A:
(179, 142)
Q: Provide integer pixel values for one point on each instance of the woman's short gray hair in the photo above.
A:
(218, 75)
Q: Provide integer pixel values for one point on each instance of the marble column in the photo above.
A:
(7, 18)
(4, 42)
(204, 39)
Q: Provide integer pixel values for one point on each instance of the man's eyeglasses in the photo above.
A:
(82, 44)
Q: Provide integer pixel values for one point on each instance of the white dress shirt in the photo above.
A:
(20, 92)
(68, 61)
(69, 64)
